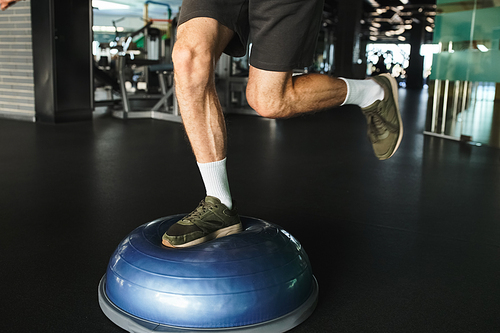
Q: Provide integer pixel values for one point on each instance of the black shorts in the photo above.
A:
(283, 33)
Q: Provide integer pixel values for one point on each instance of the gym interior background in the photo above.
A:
(91, 146)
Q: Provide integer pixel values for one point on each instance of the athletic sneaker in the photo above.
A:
(210, 220)
(385, 128)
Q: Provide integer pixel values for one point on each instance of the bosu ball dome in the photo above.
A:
(259, 280)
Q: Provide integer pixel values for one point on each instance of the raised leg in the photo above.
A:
(281, 95)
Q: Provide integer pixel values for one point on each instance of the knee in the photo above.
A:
(268, 104)
(192, 64)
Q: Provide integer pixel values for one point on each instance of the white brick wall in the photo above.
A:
(17, 97)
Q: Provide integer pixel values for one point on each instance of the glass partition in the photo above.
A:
(464, 89)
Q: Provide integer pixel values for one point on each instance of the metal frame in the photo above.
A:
(172, 110)
(440, 107)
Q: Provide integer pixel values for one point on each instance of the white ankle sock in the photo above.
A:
(362, 92)
(214, 176)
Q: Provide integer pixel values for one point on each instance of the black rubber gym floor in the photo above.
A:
(411, 244)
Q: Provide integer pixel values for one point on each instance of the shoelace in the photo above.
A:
(202, 208)
(376, 123)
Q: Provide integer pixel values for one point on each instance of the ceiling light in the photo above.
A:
(428, 29)
(376, 24)
(399, 31)
(104, 5)
(99, 28)
(408, 26)
(401, 38)
(482, 48)
(374, 3)
(373, 38)
(404, 2)
(430, 20)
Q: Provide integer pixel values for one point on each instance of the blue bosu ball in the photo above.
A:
(259, 280)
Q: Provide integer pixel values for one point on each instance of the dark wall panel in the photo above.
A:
(62, 60)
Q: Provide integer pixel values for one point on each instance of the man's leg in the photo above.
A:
(281, 95)
(200, 43)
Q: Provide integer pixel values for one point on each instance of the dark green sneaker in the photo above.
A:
(385, 128)
(210, 220)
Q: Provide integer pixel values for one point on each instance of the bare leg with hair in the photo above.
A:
(273, 94)
(281, 95)
(200, 43)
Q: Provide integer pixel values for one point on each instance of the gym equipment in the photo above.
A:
(166, 108)
(167, 100)
(259, 280)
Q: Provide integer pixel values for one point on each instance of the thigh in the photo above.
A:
(232, 14)
(284, 33)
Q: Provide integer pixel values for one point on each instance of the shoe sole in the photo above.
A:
(394, 87)
(234, 229)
